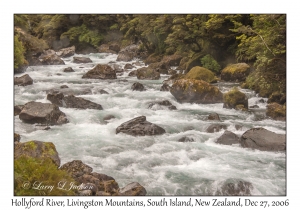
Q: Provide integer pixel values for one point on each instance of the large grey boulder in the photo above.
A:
(23, 80)
(263, 139)
(228, 138)
(66, 52)
(140, 127)
(43, 113)
(101, 72)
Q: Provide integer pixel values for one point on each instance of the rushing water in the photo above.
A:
(161, 164)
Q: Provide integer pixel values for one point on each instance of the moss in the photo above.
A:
(200, 73)
(30, 145)
(234, 98)
(30, 172)
(19, 52)
(276, 111)
(50, 148)
(236, 68)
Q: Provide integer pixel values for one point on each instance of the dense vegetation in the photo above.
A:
(209, 40)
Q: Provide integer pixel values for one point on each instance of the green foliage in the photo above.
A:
(210, 63)
(30, 172)
(19, 51)
(83, 34)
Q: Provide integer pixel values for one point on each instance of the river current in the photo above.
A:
(161, 164)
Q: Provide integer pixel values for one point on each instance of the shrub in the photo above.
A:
(19, 51)
(210, 63)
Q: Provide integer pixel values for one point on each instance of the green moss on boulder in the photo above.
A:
(200, 73)
(276, 111)
(31, 174)
(195, 91)
(235, 72)
(37, 149)
(235, 99)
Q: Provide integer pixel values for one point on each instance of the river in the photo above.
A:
(161, 164)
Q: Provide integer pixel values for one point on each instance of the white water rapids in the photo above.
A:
(161, 164)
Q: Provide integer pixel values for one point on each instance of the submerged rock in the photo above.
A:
(164, 103)
(43, 113)
(82, 60)
(195, 91)
(132, 73)
(101, 72)
(138, 87)
(128, 66)
(23, 80)
(215, 128)
(37, 149)
(140, 127)
(186, 139)
(228, 138)
(213, 116)
(68, 69)
(263, 139)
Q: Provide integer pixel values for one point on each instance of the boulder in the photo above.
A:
(138, 87)
(18, 109)
(108, 117)
(263, 139)
(71, 101)
(153, 58)
(235, 72)
(240, 188)
(276, 111)
(172, 60)
(164, 103)
(101, 72)
(147, 73)
(254, 107)
(186, 139)
(103, 91)
(228, 138)
(43, 113)
(195, 91)
(128, 53)
(165, 87)
(132, 73)
(82, 60)
(69, 69)
(200, 73)
(23, 80)
(49, 57)
(76, 168)
(160, 67)
(105, 48)
(277, 97)
(117, 68)
(64, 86)
(66, 52)
(132, 189)
(215, 128)
(140, 127)
(37, 149)
(234, 98)
(213, 116)
(17, 137)
(128, 66)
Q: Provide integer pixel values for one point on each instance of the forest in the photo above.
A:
(209, 40)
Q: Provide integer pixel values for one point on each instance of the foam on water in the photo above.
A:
(160, 163)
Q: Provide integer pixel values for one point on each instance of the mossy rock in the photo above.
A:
(37, 149)
(200, 73)
(235, 99)
(29, 172)
(17, 137)
(276, 111)
(277, 97)
(194, 61)
(153, 58)
(195, 91)
(160, 67)
(147, 73)
(235, 72)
